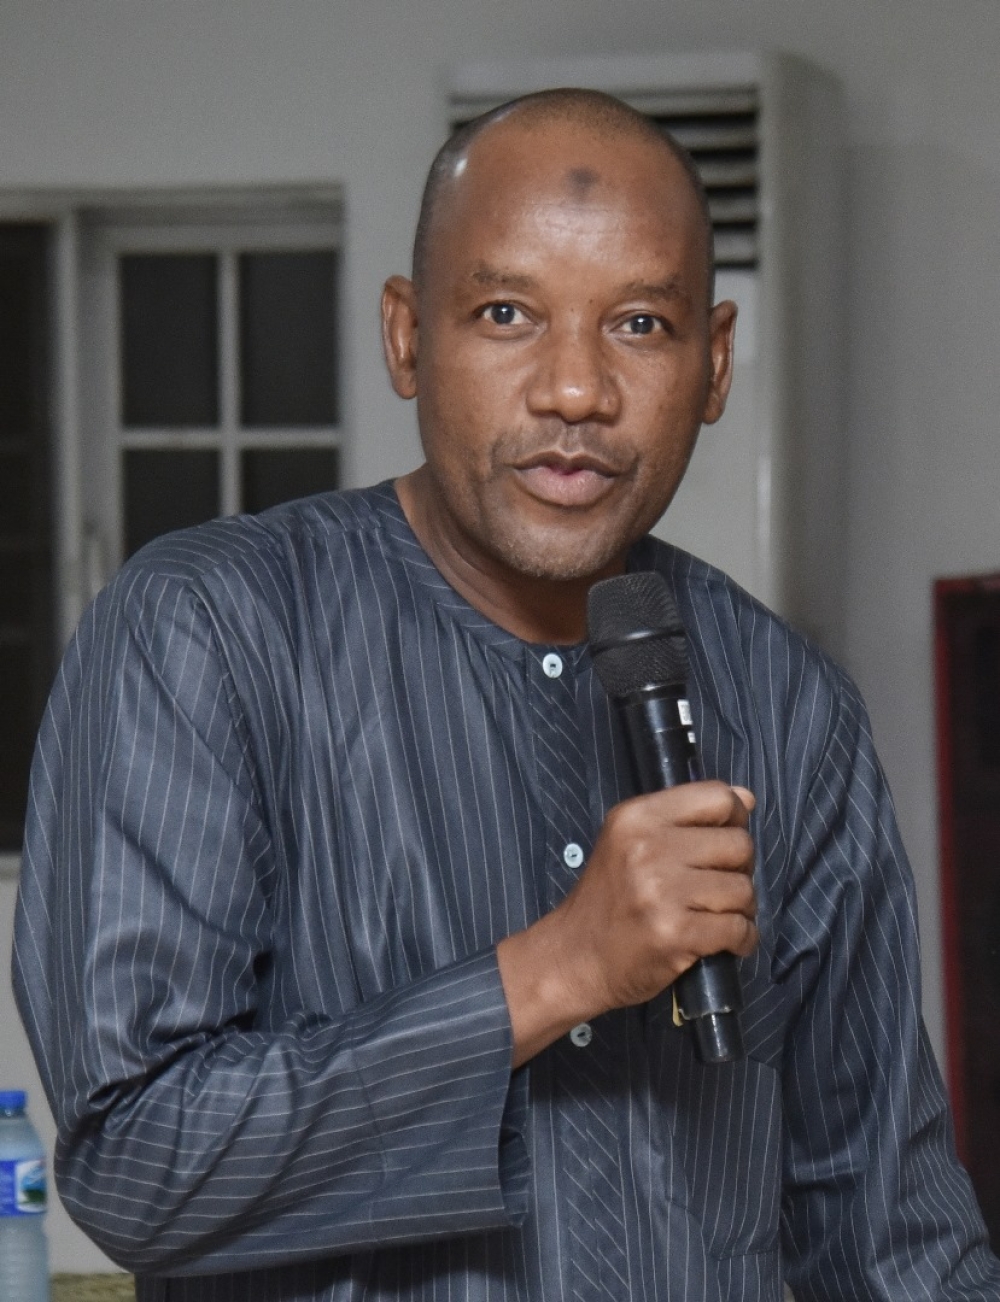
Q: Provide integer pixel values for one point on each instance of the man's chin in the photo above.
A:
(562, 561)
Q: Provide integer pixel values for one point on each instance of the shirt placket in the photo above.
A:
(588, 1064)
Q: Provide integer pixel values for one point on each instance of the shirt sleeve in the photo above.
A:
(190, 1141)
(876, 1204)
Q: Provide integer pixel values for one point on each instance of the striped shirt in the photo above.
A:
(291, 790)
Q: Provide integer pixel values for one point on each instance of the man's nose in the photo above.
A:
(573, 377)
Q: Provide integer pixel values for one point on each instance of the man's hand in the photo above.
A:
(669, 881)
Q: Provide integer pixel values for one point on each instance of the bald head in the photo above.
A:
(603, 115)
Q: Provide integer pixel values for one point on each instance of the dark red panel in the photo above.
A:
(967, 650)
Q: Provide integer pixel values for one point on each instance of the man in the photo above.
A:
(345, 950)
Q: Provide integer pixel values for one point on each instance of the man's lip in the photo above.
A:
(567, 463)
(565, 481)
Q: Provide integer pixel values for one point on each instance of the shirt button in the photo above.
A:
(552, 665)
(581, 1035)
(573, 855)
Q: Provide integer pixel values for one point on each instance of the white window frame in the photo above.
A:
(226, 235)
(82, 222)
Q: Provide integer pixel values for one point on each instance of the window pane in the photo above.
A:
(274, 475)
(22, 323)
(18, 721)
(167, 490)
(17, 505)
(169, 346)
(16, 583)
(26, 605)
(287, 338)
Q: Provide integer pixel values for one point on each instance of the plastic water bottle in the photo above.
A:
(24, 1255)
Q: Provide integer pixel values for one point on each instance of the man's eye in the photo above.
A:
(642, 323)
(501, 314)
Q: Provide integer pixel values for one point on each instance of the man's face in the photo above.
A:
(561, 350)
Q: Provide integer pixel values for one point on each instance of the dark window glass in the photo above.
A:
(17, 504)
(22, 318)
(273, 475)
(287, 338)
(26, 591)
(166, 490)
(17, 580)
(169, 345)
(18, 724)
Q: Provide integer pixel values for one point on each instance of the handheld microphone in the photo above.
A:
(639, 650)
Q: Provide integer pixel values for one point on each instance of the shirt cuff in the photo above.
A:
(434, 1059)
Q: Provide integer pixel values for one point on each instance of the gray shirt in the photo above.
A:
(290, 792)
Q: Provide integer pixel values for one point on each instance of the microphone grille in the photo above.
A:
(637, 639)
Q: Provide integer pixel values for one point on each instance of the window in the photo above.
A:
(161, 363)
(26, 599)
(214, 382)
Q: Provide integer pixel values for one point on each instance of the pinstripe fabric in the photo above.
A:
(290, 791)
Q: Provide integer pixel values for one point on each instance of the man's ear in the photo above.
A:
(721, 330)
(399, 334)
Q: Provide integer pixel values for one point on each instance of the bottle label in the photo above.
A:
(22, 1188)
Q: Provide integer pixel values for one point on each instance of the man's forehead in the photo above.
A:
(577, 152)
(583, 179)
(523, 170)
(566, 182)
(561, 172)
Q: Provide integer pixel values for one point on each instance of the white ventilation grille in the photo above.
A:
(719, 128)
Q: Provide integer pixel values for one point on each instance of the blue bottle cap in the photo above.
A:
(13, 1100)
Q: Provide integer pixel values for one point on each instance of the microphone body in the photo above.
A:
(640, 655)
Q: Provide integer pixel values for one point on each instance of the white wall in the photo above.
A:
(140, 93)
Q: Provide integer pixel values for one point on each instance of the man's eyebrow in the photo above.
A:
(670, 290)
(492, 278)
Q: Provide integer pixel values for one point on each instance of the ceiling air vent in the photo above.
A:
(719, 127)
